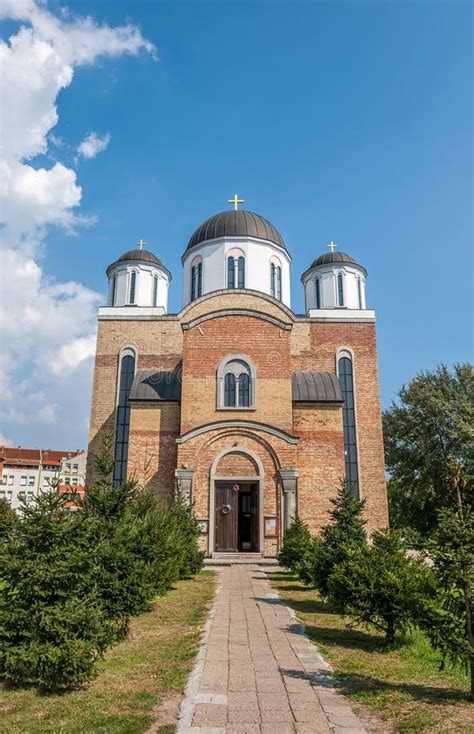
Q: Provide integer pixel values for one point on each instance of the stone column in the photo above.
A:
(184, 484)
(289, 483)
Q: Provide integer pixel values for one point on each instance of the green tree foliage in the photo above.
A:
(71, 580)
(432, 424)
(379, 585)
(296, 546)
(8, 517)
(449, 622)
(345, 532)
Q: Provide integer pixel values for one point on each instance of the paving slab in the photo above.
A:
(256, 671)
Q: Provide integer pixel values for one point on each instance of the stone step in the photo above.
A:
(240, 559)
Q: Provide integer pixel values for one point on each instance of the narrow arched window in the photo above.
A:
(133, 286)
(229, 390)
(155, 290)
(340, 290)
(346, 380)
(359, 292)
(244, 390)
(196, 281)
(278, 282)
(122, 426)
(275, 281)
(318, 293)
(230, 272)
(241, 272)
(114, 290)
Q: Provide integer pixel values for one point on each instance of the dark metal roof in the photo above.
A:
(240, 223)
(316, 387)
(154, 385)
(138, 255)
(335, 257)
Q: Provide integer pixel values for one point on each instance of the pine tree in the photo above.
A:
(296, 546)
(345, 532)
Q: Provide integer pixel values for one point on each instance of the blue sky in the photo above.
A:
(349, 121)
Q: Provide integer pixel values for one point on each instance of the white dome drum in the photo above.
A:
(235, 250)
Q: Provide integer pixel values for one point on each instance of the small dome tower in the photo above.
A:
(138, 278)
(334, 280)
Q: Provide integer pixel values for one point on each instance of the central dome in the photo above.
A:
(238, 223)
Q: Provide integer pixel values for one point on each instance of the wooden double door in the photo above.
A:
(236, 517)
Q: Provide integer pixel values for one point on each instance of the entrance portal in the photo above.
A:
(236, 517)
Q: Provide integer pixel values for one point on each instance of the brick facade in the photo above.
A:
(277, 434)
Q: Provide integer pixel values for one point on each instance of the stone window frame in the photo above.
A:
(222, 371)
(125, 351)
(155, 282)
(318, 293)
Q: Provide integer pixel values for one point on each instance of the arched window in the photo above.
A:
(236, 383)
(346, 380)
(155, 290)
(318, 293)
(359, 292)
(275, 280)
(122, 426)
(114, 290)
(340, 290)
(241, 272)
(230, 272)
(196, 279)
(133, 287)
(229, 390)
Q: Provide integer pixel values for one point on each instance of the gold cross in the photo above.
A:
(140, 244)
(235, 201)
(332, 246)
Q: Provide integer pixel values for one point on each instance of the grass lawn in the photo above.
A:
(403, 686)
(140, 679)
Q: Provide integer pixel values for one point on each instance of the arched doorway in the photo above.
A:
(236, 504)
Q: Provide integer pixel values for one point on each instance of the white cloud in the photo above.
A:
(92, 145)
(48, 328)
(4, 441)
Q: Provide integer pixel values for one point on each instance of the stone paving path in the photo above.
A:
(257, 671)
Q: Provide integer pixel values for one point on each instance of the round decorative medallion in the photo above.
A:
(236, 487)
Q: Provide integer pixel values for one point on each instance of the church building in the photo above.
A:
(253, 412)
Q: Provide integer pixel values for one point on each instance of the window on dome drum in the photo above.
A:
(133, 286)
(275, 281)
(155, 290)
(236, 272)
(114, 290)
(318, 293)
(230, 272)
(359, 292)
(241, 272)
(196, 281)
(346, 380)
(340, 290)
(236, 383)
(127, 372)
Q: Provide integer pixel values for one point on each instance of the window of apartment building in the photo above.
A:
(11, 479)
(75, 467)
(4, 479)
(74, 481)
(23, 480)
(31, 481)
(68, 467)
(31, 497)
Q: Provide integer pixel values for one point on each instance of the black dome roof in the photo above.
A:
(140, 255)
(333, 257)
(143, 255)
(238, 223)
